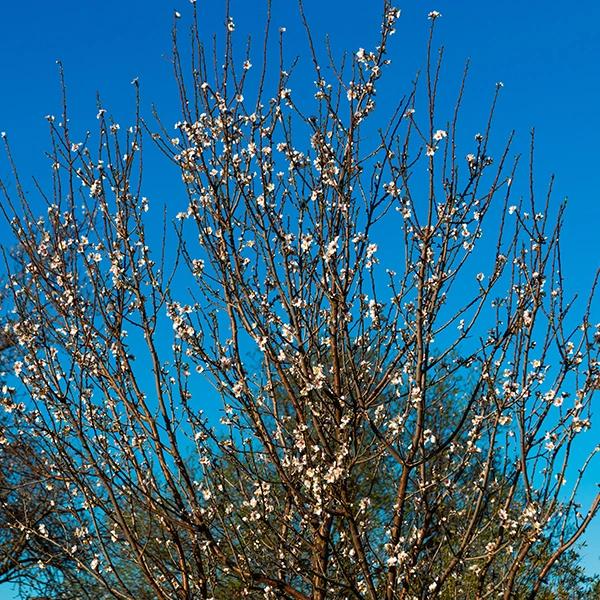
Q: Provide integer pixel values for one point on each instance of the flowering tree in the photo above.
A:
(32, 518)
(400, 424)
(32, 521)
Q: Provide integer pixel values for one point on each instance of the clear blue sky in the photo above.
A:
(547, 53)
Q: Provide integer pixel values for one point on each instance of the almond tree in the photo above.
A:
(400, 424)
(33, 524)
